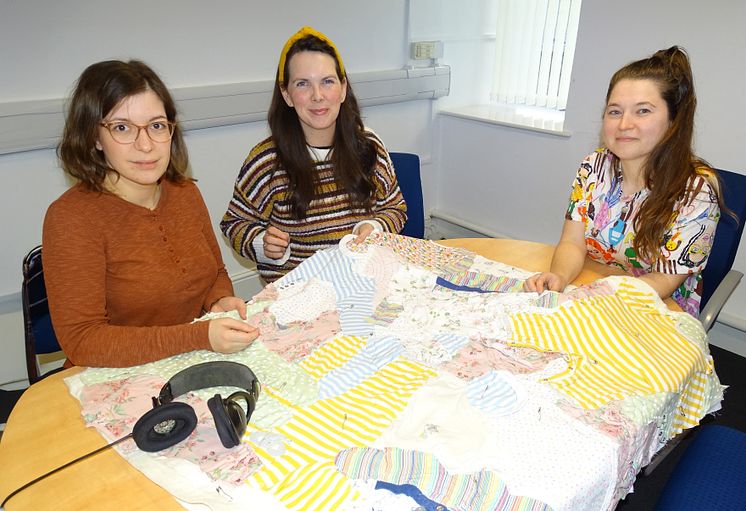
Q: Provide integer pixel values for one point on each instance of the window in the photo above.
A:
(534, 49)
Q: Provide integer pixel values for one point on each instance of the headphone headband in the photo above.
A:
(205, 375)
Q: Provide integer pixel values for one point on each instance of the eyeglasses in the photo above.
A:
(127, 132)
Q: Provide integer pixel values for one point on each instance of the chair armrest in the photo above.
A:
(710, 313)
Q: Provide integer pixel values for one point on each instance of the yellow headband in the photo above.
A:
(300, 34)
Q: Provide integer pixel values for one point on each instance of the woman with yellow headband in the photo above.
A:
(320, 176)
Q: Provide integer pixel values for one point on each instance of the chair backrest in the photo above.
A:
(727, 236)
(407, 168)
(39, 333)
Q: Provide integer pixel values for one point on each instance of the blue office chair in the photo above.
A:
(710, 475)
(407, 168)
(39, 333)
(8, 399)
(718, 278)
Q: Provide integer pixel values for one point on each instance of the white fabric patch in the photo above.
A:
(303, 301)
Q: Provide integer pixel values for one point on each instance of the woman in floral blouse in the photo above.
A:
(643, 202)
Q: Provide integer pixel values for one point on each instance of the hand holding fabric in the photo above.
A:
(229, 303)
(229, 335)
(275, 242)
(363, 231)
(544, 281)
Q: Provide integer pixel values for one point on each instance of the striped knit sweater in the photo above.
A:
(260, 198)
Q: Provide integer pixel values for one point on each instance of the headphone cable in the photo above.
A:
(30, 483)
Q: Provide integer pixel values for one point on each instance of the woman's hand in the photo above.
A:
(567, 261)
(363, 232)
(275, 242)
(228, 335)
(544, 281)
(229, 303)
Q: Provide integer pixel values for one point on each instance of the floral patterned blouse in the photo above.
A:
(597, 200)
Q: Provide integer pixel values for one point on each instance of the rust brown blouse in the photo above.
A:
(125, 282)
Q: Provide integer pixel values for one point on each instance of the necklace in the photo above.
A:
(156, 197)
(148, 202)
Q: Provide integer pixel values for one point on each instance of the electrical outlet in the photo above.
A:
(424, 50)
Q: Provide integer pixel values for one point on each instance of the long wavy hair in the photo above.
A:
(353, 155)
(670, 167)
(98, 91)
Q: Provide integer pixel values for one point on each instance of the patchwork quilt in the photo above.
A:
(401, 374)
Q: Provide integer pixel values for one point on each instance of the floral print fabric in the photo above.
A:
(355, 350)
(597, 200)
(114, 407)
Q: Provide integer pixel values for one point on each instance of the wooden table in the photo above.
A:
(45, 429)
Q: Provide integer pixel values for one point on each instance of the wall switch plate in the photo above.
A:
(424, 50)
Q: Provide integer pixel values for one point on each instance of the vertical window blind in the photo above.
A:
(534, 49)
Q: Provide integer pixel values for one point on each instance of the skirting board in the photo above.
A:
(445, 225)
(247, 283)
(30, 125)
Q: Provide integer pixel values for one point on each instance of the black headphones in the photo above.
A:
(168, 423)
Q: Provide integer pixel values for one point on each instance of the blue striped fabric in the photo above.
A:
(452, 342)
(377, 352)
(480, 282)
(475, 491)
(354, 291)
(493, 394)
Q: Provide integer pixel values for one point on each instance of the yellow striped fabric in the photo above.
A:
(619, 345)
(318, 486)
(332, 355)
(305, 477)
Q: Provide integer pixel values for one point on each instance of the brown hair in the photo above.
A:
(353, 155)
(100, 88)
(670, 167)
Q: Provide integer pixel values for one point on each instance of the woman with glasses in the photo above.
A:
(320, 176)
(130, 256)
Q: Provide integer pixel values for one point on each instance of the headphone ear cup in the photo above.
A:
(226, 431)
(235, 413)
(164, 426)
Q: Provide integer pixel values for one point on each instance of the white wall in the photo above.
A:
(517, 182)
(189, 42)
(44, 45)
